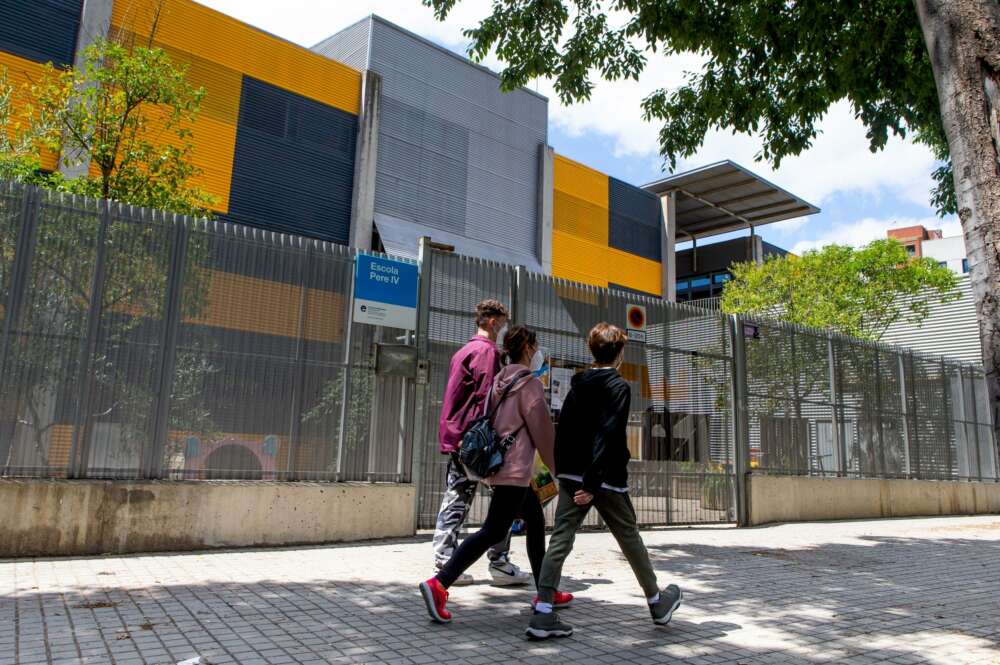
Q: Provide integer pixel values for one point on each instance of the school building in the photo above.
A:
(377, 137)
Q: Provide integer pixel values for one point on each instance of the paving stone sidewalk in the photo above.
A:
(901, 591)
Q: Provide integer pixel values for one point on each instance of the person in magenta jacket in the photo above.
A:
(470, 376)
(520, 412)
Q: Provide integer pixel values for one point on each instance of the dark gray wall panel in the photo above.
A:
(40, 30)
(633, 220)
(293, 168)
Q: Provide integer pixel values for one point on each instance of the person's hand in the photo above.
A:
(582, 498)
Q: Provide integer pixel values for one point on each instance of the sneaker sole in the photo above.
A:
(560, 606)
(428, 596)
(468, 581)
(669, 615)
(541, 634)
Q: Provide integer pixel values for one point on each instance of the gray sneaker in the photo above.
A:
(545, 625)
(464, 579)
(504, 573)
(670, 600)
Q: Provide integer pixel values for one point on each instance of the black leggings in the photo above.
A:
(508, 503)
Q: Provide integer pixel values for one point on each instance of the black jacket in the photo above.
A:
(591, 436)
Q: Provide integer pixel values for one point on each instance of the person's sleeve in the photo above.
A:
(564, 432)
(538, 422)
(454, 395)
(611, 427)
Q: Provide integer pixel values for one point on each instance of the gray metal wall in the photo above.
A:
(950, 330)
(455, 153)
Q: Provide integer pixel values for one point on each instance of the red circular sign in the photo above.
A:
(636, 317)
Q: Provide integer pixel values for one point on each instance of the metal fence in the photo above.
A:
(142, 345)
(706, 385)
(135, 344)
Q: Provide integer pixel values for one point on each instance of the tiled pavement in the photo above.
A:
(903, 591)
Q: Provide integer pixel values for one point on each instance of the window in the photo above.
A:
(911, 250)
(722, 278)
(698, 282)
(943, 264)
(965, 265)
(682, 286)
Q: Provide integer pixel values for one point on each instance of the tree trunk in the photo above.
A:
(963, 41)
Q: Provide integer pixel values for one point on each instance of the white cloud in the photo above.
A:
(863, 231)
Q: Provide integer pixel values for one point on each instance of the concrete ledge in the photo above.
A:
(806, 499)
(80, 517)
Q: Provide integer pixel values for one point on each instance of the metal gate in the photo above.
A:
(680, 431)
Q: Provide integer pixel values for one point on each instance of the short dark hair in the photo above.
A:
(606, 342)
(489, 309)
(516, 341)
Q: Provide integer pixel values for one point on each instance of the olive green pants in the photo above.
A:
(615, 508)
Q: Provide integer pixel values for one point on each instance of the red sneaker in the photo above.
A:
(560, 601)
(435, 596)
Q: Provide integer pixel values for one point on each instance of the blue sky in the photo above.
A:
(861, 195)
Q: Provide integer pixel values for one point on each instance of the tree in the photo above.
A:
(856, 292)
(929, 68)
(128, 113)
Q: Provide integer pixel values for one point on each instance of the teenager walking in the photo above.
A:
(519, 410)
(592, 458)
(470, 376)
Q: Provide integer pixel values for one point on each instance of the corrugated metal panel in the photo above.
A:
(578, 259)
(40, 30)
(190, 27)
(633, 219)
(634, 271)
(20, 72)
(455, 153)
(293, 169)
(349, 46)
(951, 329)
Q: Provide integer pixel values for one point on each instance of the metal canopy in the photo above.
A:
(724, 197)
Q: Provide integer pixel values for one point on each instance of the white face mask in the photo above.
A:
(501, 336)
(537, 362)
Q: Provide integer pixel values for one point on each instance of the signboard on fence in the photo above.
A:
(635, 323)
(385, 292)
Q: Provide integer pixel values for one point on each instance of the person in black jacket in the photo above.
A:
(591, 455)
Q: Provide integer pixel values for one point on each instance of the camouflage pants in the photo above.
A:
(455, 505)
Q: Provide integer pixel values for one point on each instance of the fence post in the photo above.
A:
(21, 270)
(79, 453)
(839, 436)
(905, 412)
(519, 279)
(948, 411)
(425, 268)
(298, 382)
(741, 420)
(975, 425)
(345, 395)
(153, 466)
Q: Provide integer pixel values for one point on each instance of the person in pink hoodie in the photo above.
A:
(517, 401)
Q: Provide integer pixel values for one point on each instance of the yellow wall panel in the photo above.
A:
(579, 260)
(579, 217)
(580, 181)
(250, 304)
(633, 271)
(20, 72)
(206, 33)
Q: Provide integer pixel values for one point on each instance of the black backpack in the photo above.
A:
(482, 449)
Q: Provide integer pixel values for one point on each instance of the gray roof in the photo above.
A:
(724, 197)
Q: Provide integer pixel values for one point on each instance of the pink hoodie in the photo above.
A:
(525, 412)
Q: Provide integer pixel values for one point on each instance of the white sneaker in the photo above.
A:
(505, 573)
(464, 579)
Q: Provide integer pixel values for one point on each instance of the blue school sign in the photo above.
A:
(385, 292)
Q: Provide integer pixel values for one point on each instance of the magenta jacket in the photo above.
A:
(469, 379)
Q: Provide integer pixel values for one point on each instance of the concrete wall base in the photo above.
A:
(81, 517)
(806, 499)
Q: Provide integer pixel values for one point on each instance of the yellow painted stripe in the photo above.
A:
(206, 33)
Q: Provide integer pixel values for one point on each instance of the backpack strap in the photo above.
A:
(506, 391)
